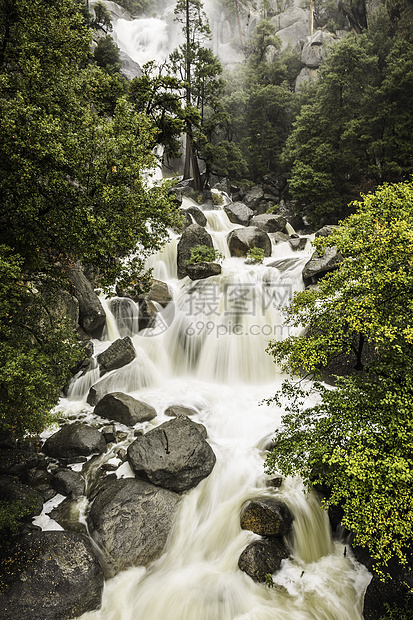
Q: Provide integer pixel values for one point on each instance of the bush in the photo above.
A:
(202, 253)
(255, 256)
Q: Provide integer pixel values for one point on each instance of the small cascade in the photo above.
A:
(207, 352)
(110, 330)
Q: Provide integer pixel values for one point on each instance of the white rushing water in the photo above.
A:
(209, 354)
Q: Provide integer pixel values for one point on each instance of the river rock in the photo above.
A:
(130, 520)
(160, 292)
(120, 353)
(238, 213)
(91, 313)
(174, 455)
(297, 243)
(124, 409)
(266, 516)
(326, 230)
(197, 215)
(253, 196)
(178, 410)
(241, 240)
(203, 270)
(318, 265)
(269, 223)
(68, 482)
(73, 440)
(51, 576)
(191, 237)
(186, 217)
(263, 557)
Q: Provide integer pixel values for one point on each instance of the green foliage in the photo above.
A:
(73, 187)
(355, 130)
(201, 253)
(357, 437)
(102, 19)
(395, 612)
(106, 55)
(269, 580)
(255, 256)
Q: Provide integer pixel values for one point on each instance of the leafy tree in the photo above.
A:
(106, 55)
(102, 19)
(357, 439)
(354, 131)
(72, 188)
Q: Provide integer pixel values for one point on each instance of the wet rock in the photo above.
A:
(51, 576)
(269, 223)
(68, 482)
(91, 313)
(67, 515)
(297, 243)
(191, 237)
(326, 230)
(263, 557)
(160, 292)
(130, 520)
(197, 215)
(241, 240)
(187, 219)
(120, 353)
(279, 237)
(74, 440)
(239, 213)
(202, 270)
(176, 410)
(253, 197)
(109, 433)
(124, 409)
(174, 455)
(318, 265)
(266, 516)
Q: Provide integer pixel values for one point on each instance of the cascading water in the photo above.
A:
(209, 354)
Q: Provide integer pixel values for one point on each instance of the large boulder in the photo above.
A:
(91, 313)
(263, 557)
(51, 576)
(203, 270)
(266, 516)
(241, 240)
(124, 409)
(174, 455)
(120, 353)
(159, 292)
(297, 243)
(238, 213)
(253, 196)
(269, 223)
(197, 215)
(318, 265)
(68, 482)
(74, 440)
(130, 520)
(192, 236)
(314, 50)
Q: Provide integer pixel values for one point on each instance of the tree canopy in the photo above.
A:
(357, 439)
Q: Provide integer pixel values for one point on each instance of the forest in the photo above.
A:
(76, 141)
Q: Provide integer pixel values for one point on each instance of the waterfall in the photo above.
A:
(211, 356)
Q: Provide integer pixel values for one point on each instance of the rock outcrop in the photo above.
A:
(241, 240)
(74, 440)
(120, 353)
(192, 236)
(124, 409)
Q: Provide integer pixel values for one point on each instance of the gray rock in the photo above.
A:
(73, 440)
(130, 520)
(297, 243)
(120, 353)
(318, 265)
(68, 482)
(174, 455)
(191, 237)
(202, 270)
(263, 557)
(160, 292)
(266, 516)
(186, 217)
(91, 313)
(241, 240)
(52, 576)
(176, 410)
(254, 196)
(197, 215)
(326, 230)
(279, 237)
(124, 409)
(238, 213)
(147, 312)
(306, 74)
(269, 223)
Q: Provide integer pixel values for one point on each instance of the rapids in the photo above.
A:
(208, 353)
